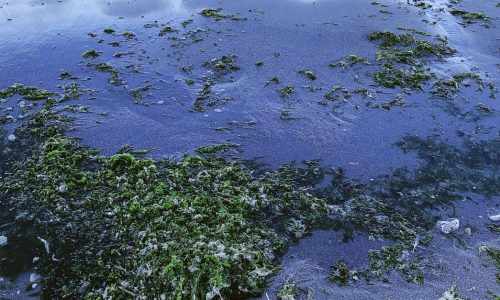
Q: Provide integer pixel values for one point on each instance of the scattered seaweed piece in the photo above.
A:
(451, 87)
(66, 75)
(222, 65)
(185, 23)
(217, 15)
(27, 92)
(128, 35)
(91, 53)
(72, 91)
(286, 91)
(167, 29)
(138, 93)
(484, 108)
(471, 18)
(402, 57)
(352, 59)
(274, 80)
(308, 73)
(115, 75)
(288, 290)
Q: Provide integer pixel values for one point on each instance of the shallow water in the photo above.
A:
(42, 38)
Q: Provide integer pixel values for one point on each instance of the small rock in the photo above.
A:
(494, 218)
(36, 259)
(160, 102)
(448, 226)
(468, 231)
(11, 138)
(62, 188)
(34, 285)
(34, 277)
(3, 240)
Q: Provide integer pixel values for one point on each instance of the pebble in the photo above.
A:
(3, 240)
(468, 231)
(11, 138)
(34, 277)
(448, 226)
(494, 218)
(62, 188)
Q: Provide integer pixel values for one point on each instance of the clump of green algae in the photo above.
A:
(401, 56)
(119, 225)
(217, 15)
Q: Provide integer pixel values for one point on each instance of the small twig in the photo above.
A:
(127, 291)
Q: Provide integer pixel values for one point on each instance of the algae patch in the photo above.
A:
(403, 59)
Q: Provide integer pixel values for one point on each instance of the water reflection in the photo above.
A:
(136, 8)
(26, 15)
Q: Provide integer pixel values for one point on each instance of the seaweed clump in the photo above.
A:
(309, 74)
(471, 17)
(223, 64)
(27, 92)
(494, 255)
(217, 15)
(402, 57)
(352, 60)
(123, 226)
(91, 53)
(107, 68)
(451, 87)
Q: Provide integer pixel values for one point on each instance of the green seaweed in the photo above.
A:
(494, 255)
(91, 53)
(352, 59)
(128, 35)
(217, 15)
(451, 87)
(223, 64)
(138, 93)
(288, 290)
(115, 75)
(286, 91)
(167, 29)
(202, 227)
(115, 44)
(403, 59)
(27, 92)
(309, 74)
(66, 75)
(484, 108)
(71, 91)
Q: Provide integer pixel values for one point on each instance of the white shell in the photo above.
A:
(448, 226)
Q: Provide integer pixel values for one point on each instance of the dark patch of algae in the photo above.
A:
(403, 58)
(206, 227)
